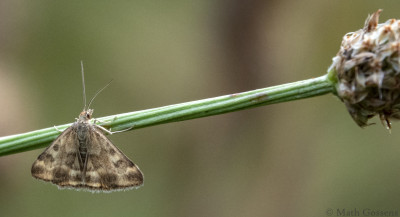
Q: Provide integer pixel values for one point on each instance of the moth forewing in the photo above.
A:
(59, 159)
(108, 166)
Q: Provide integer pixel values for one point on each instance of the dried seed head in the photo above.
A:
(368, 71)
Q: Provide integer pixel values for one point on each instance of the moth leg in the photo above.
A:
(101, 122)
(58, 129)
(104, 122)
(112, 132)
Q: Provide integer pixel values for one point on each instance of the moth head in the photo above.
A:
(86, 115)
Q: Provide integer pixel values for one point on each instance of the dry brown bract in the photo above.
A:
(368, 71)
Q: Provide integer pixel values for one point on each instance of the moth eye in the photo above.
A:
(88, 116)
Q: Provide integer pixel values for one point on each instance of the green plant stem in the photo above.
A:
(180, 112)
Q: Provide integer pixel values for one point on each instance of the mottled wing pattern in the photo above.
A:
(59, 163)
(108, 168)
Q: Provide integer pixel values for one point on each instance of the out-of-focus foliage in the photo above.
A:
(293, 159)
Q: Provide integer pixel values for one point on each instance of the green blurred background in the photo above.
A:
(293, 159)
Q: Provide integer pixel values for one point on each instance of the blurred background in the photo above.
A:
(292, 159)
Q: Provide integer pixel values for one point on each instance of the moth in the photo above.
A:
(83, 158)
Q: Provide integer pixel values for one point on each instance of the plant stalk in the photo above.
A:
(180, 112)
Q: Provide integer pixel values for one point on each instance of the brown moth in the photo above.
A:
(83, 158)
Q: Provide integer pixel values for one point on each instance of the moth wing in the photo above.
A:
(59, 163)
(108, 168)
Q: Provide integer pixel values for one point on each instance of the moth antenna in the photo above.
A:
(97, 93)
(83, 84)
